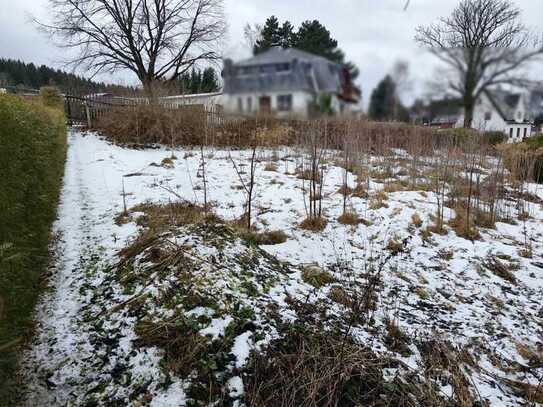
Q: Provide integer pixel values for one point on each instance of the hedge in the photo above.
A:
(32, 157)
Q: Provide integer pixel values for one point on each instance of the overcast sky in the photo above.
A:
(373, 33)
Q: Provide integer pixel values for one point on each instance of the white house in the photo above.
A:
(503, 111)
(286, 82)
(496, 110)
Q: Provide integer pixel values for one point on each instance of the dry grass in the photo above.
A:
(349, 218)
(416, 220)
(422, 293)
(360, 192)
(271, 167)
(307, 175)
(345, 190)
(395, 246)
(183, 346)
(500, 269)
(162, 216)
(378, 201)
(396, 338)
(317, 224)
(271, 237)
(394, 187)
(319, 368)
(339, 295)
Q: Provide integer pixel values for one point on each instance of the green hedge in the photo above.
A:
(32, 157)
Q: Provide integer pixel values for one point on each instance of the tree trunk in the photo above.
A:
(469, 106)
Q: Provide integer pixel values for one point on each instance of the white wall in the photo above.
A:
(520, 132)
(206, 99)
(300, 102)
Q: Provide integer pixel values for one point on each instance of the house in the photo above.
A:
(209, 101)
(496, 110)
(500, 110)
(536, 108)
(286, 82)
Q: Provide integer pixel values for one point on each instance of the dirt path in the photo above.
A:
(61, 342)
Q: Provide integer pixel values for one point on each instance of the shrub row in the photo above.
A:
(32, 156)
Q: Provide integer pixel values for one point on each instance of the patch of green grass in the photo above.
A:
(32, 157)
(316, 277)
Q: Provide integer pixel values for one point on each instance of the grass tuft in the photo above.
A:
(316, 277)
(314, 224)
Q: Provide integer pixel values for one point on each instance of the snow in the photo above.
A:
(242, 348)
(61, 365)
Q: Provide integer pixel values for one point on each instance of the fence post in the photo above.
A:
(87, 111)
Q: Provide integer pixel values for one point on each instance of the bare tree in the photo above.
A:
(485, 44)
(400, 76)
(251, 34)
(158, 40)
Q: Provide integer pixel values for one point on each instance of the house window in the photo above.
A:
(240, 105)
(488, 116)
(284, 103)
(525, 132)
(283, 67)
(249, 104)
(510, 132)
(518, 132)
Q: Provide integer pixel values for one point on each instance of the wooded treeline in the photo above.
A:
(21, 74)
(18, 74)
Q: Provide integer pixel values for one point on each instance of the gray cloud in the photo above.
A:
(373, 33)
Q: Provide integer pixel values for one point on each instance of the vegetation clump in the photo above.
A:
(314, 224)
(349, 218)
(32, 156)
(316, 277)
(271, 237)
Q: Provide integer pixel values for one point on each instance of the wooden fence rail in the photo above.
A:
(86, 110)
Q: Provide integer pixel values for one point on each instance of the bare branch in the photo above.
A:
(158, 40)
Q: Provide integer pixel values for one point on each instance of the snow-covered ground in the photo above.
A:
(434, 287)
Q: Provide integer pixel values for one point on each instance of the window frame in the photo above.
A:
(285, 102)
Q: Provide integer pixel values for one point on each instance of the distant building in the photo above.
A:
(536, 107)
(285, 82)
(209, 101)
(496, 110)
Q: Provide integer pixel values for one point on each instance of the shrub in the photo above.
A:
(32, 155)
(50, 96)
(494, 137)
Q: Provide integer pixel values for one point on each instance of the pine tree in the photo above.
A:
(210, 82)
(311, 37)
(382, 100)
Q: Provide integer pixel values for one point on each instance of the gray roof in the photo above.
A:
(536, 103)
(276, 55)
(307, 72)
(505, 102)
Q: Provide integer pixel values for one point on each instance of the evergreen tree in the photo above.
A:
(199, 81)
(210, 81)
(273, 35)
(382, 100)
(311, 37)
